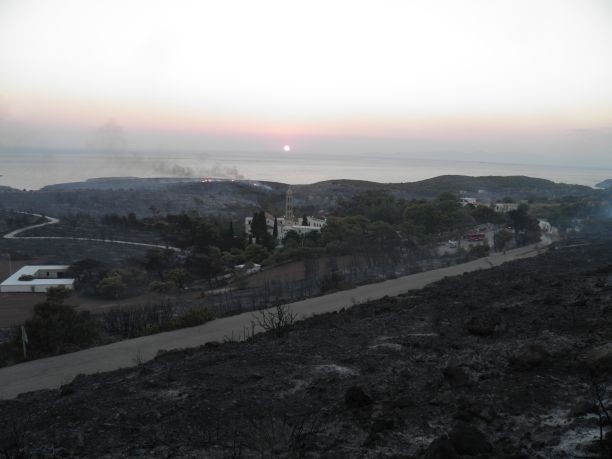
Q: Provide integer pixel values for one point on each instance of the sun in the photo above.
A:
(287, 148)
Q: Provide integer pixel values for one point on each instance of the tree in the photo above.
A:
(157, 261)
(111, 287)
(478, 251)
(228, 241)
(311, 268)
(161, 286)
(305, 220)
(277, 320)
(446, 196)
(57, 294)
(54, 327)
(134, 278)
(84, 270)
(131, 219)
(275, 229)
(292, 239)
(334, 277)
(501, 240)
(486, 214)
(526, 228)
(426, 220)
(348, 232)
(256, 253)
(208, 262)
(374, 205)
(179, 276)
(259, 227)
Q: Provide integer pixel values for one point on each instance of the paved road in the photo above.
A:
(52, 372)
(53, 221)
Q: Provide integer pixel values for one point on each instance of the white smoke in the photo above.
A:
(176, 170)
(110, 139)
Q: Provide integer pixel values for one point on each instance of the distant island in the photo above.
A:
(605, 184)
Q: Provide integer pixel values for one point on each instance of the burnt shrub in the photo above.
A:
(191, 318)
(57, 328)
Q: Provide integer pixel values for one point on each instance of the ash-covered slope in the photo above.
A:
(495, 359)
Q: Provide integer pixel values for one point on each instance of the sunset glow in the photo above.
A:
(426, 70)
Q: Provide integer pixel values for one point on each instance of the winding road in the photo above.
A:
(53, 221)
(52, 372)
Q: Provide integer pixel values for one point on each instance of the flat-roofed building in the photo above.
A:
(505, 207)
(37, 279)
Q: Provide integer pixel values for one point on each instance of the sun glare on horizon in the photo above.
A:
(474, 78)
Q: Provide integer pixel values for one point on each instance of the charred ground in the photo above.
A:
(495, 359)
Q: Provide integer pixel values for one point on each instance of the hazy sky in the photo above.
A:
(521, 80)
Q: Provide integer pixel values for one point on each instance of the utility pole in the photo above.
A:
(10, 264)
(24, 341)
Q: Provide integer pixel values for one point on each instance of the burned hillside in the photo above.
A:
(508, 362)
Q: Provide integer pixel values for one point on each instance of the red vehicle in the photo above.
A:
(476, 237)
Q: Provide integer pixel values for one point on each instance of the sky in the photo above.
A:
(500, 80)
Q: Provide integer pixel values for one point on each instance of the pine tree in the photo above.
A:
(258, 226)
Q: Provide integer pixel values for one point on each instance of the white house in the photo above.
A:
(37, 279)
(505, 207)
(467, 201)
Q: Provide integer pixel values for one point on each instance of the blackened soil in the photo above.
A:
(494, 359)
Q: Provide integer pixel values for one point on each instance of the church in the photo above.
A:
(289, 222)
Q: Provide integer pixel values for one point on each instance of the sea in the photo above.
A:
(33, 169)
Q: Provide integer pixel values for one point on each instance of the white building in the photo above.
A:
(545, 226)
(314, 222)
(289, 222)
(505, 207)
(248, 221)
(468, 201)
(37, 279)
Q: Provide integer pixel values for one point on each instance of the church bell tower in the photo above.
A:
(289, 217)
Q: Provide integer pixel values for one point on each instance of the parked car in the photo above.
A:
(476, 237)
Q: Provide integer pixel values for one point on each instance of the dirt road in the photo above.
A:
(53, 221)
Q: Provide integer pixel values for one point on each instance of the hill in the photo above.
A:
(605, 184)
(119, 183)
(497, 185)
(489, 188)
(144, 196)
(500, 369)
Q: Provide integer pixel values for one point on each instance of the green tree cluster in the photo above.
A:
(121, 281)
